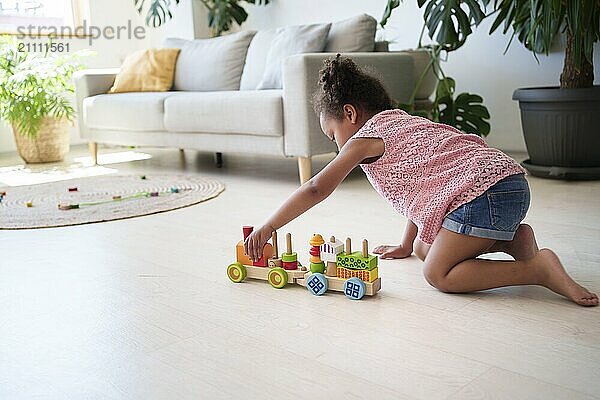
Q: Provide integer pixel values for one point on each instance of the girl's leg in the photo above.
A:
(451, 267)
(522, 247)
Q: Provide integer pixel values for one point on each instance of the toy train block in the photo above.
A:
(241, 255)
(289, 265)
(314, 259)
(314, 251)
(289, 259)
(373, 288)
(275, 262)
(330, 250)
(366, 275)
(331, 269)
(348, 246)
(274, 241)
(267, 254)
(288, 243)
(318, 267)
(263, 273)
(356, 261)
(316, 240)
(247, 230)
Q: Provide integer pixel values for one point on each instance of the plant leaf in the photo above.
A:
(466, 113)
(449, 21)
(388, 11)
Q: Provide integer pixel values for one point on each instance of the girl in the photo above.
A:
(462, 198)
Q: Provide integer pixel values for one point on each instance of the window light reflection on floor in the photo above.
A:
(79, 167)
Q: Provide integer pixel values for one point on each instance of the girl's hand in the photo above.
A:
(393, 251)
(255, 242)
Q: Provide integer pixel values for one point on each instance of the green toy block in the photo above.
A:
(285, 257)
(356, 261)
(317, 267)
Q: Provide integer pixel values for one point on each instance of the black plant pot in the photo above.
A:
(562, 131)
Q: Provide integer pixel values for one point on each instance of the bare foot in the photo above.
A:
(522, 247)
(554, 277)
(386, 251)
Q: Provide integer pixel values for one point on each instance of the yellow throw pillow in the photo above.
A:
(150, 70)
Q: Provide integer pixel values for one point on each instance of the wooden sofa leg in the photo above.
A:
(305, 169)
(93, 146)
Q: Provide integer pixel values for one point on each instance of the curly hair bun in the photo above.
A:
(342, 82)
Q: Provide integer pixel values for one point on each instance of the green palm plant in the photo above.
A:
(465, 111)
(33, 87)
(535, 23)
(222, 14)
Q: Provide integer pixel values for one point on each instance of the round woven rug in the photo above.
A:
(96, 199)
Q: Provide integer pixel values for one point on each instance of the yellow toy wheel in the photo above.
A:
(277, 277)
(236, 272)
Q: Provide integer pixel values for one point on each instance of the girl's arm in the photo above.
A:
(410, 233)
(312, 192)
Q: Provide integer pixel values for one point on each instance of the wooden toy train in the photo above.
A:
(331, 267)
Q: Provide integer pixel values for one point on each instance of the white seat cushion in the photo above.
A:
(250, 112)
(126, 111)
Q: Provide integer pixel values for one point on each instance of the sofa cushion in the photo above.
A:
(211, 64)
(352, 35)
(240, 112)
(288, 41)
(150, 70)
(256, 59)
(126, 111)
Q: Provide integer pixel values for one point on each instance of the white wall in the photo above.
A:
(479, 67)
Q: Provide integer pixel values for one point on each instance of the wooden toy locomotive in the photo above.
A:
(331, 267)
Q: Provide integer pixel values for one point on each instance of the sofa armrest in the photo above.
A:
(302, 132)
(91, 82)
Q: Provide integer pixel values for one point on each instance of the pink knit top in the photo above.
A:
(428, 169)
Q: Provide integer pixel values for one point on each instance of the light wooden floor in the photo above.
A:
(142, 308)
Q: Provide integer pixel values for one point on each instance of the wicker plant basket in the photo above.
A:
(51, 143)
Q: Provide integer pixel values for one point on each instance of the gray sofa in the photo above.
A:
(226, 118)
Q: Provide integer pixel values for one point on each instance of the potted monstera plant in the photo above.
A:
(222, 14)
(34, 99)
(561, 124)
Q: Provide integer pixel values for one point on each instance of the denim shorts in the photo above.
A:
(496, 214)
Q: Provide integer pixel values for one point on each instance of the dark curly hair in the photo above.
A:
(341, 82)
